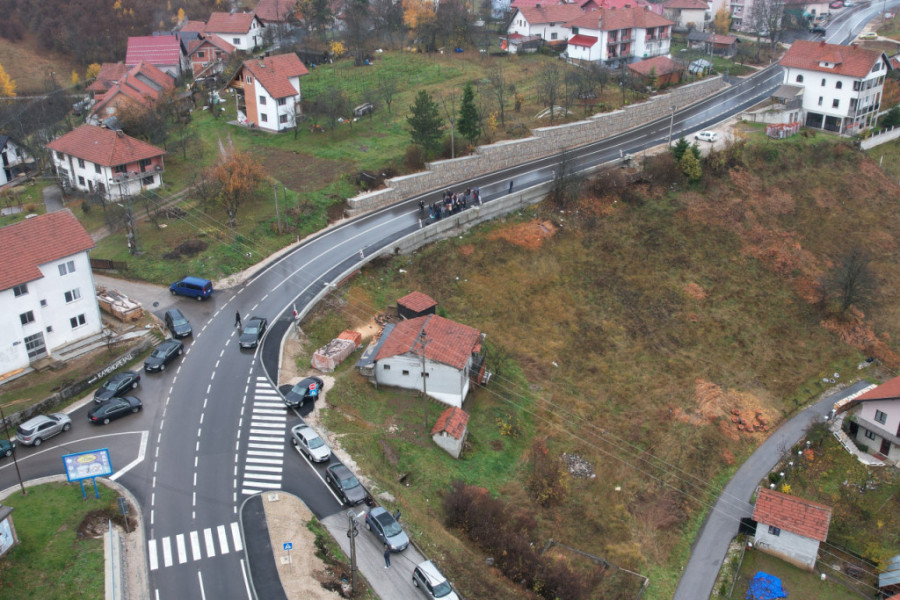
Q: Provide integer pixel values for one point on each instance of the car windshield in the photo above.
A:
(316, 442)
(112, 384)
(251, 329)
(299, 389)
(159, 353)
(442, 589)
(177, 321)
(390, 526)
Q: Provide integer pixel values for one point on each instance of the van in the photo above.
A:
(177, 324)
(193, 287)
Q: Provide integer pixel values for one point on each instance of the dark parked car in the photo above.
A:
(252, 332)
(818, 30)
(115, 408)
(177, 324)
(7, 447)
(117, 385)
(387, 529)
(163, 355)
(37, 429)
(307, 389)
(345, 484)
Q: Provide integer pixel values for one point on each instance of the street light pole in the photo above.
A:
(15, 460)
(671, 124)
(424, 343)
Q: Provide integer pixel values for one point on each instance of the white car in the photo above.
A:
(707, 136)
(309, 443)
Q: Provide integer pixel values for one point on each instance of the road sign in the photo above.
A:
(288, 546)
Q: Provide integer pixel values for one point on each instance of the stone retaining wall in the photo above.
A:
(544, 142)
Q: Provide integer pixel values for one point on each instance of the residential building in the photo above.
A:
(143, 85)
(687, 14)
(241, 30)
(789, 527)
(13, 160)
(873, 420)
(618, 37)
(275, 12)
(658, 71)
(450, 430)
(162, 51)
(109, 163)
(842, 85)
(452, 358)
(46, 288)
(268, 91)
(544, 23)
(208, 55)
(109, 75)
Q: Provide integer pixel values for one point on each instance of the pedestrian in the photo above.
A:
(387, 557)
(510, 186)
(421, 207)
(237, 319)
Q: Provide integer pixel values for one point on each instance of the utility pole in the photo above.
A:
(277, 213)
(15, 460)
(424, 343)
(671, 124)
(352, 531)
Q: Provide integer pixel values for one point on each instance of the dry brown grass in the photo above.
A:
(29, 65)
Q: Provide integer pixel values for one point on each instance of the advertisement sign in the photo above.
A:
(86, 465)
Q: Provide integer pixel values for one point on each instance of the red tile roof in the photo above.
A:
(26, 245)
(725, 40)
(109, 74)
(154, 49)
(661, 65)
(521, 3)
(561, 13)
(417, 301)
(274, 73)
(851, 61)
(620, 4)
(135, 85)
(582, 40)
(453, 421)
(686, 4)
(103, 146)
(223, 22)
(889, 390)
(448, 342)
(274, 11)
(790, 513)
(198, 26)
(210, 40)
(611, 19)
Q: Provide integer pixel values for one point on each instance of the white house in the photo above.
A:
(46, 288)
(268, 91)
(12, 160)
(241, 30)
(874, 420)
(545, 22)
(452, 357)
(789, 527)
(616, 36)
(687, 14)
(842, 85)
(94, 159)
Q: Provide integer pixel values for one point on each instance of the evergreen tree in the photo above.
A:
(690, 166)
(425, 124)
(680, 147)
(468, 116)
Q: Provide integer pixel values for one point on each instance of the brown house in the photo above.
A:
(663, 69)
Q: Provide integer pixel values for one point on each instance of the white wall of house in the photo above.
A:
(87, 176)
(10, 155)
(548, 31)
(869, 436)
(60, 309)
(591, 54)
(449, 443)
(277, 114)
(686, 16)
(884, 414)
(445, 383)
(644, 47)
(243, 41)
(795, 549)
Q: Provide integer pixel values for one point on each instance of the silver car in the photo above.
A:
(430, 582)
(37, 429)
(309, 443)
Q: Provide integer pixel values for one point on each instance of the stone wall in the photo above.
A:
(885, 135)
(544, 142)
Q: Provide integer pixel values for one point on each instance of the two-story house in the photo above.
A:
(268, 91)
(842, 85)
(12, 159)
(617, 37)
(546, 23)
(242, 30)
(99, 160)
(208, 55)
(873, 420)
(162, 51)
(687, 14)
(143, 85)
(46, 288)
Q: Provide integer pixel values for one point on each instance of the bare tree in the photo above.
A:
(448, 103)
(767, 19)
(387, 89)
(501, 89)
(567, 182)
(549, 80)
(850, 283)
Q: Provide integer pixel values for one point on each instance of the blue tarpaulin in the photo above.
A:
(765, 587)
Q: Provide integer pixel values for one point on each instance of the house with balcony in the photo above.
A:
(96, 160)
(46, 289)
(541, 24)
(208, 55)
(241, 30)
(268, 91)
(842, 85)
(618, 37)
(687, 14)
(872, 421)
(13, 160)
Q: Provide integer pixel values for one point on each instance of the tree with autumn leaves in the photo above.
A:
(7, 85)
(231, 183)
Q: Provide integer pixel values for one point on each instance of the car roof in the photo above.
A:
(36, 421)
(431, 571)
(195, 280)
(302, 427)
(256, 318)
(174, 312)
(338, 468)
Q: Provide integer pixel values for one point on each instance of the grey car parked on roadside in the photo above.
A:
(37, 429)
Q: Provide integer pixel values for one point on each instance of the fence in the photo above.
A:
(876, 139)
(105, 264)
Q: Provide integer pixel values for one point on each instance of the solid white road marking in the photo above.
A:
(167, 551)
(262, 484)
(264, 453)
(151, 551)
(264, 446)
(182, 551)
(261, 476)
(210, 547)
(246, 581)
(223, 539)
(236, 536)
(250, 492)
(202, 591)
(265, 461)
(195, 546)
(261, 469)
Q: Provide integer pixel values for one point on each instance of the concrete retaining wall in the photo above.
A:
(545, 141)
(883, 136)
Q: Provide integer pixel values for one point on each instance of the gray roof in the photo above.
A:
(891, 574)
(697, 36)
(787, 91)
(368, 356)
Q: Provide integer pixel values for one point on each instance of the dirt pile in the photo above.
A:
(529, 235)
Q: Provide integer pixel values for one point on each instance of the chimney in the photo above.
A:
(822, 44)
(537, 5)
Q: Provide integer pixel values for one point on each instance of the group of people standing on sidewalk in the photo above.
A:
(450, 203)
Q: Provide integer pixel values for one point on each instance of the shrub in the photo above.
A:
(415, 157)
(547, 483)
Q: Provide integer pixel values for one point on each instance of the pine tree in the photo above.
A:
(425, 123)
(680, 147)
(690, 166)
(7, 85)
(468, 116)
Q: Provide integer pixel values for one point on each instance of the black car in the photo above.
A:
(817, 30)
(177, 324)
(163, 355)
(7, 447)
(114, 408)
(307, 389)
(252, 332)
(117, 385)
(345, 484)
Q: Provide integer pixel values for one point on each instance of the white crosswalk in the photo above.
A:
(264, 457)
(162, 553)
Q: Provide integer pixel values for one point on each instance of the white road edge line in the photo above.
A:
(140, 457)
(246, 582)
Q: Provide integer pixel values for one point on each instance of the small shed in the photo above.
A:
(889, 579)
(449, 432)
(415, 305)
(789, 527)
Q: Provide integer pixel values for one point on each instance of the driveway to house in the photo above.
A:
(721, 523)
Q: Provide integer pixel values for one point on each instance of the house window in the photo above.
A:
(264, 118)
(81, 180)
(774, 530)
(574, 31)
(96, 168)
(820, 100)
(405, 372)
(282, 101)
(148, 180)
(59, 155)
(27, 317)
(262, 100)
(799, 78)
(553, 36)
(20, 290)
(49, 328)
(880, 417)
(81, 163)
(67, 267)
(120, 169)
(835, 102)
(43, 303)
(144, 163)
(237, 42)
(78, 321)
(249, 79)
(282, 119)
(856, 86)
(387, 367)
(870, 435)
(839, 85)
(73, 295)
(201, 54)
(823, 82)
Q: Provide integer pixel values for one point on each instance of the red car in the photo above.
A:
(837, 4)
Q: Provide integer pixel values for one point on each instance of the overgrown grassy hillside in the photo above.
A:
(658, 330)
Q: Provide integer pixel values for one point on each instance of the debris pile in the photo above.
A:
(578, 467)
